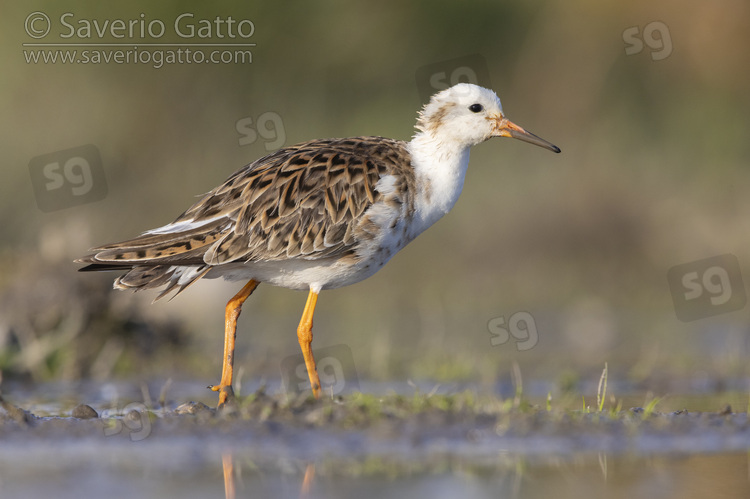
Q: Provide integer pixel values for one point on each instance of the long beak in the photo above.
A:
(506, 128)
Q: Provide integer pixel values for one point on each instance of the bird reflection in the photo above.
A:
(230, 488)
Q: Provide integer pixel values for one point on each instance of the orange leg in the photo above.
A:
(304, 335)
(234, 307)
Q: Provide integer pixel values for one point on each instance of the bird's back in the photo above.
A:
(310, 201)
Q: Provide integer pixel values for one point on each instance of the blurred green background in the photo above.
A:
(654, 173)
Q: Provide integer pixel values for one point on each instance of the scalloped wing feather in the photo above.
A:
(305, 201)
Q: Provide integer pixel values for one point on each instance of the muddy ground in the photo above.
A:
(419, 445)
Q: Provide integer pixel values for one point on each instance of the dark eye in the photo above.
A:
(475, 108)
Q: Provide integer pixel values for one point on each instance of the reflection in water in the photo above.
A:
(582, 475)
(230, 488)
(307, 481)
(227, 462)
(138, 470)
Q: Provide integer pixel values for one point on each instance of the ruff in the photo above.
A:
(317, 215)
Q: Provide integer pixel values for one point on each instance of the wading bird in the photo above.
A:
(317, 215)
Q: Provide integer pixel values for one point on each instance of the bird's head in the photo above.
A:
(468, 114)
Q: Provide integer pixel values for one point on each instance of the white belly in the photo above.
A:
(300, 274)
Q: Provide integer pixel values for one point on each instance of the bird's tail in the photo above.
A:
(174, 259)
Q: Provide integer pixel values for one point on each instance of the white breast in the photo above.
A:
(440, 172)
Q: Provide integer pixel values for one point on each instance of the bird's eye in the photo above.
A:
(475, 108)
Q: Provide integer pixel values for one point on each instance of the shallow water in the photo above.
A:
(189, 469)
(533, 454)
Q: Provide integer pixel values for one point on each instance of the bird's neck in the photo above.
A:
(439, 168)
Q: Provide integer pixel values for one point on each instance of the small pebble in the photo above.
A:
(727, 410)
(84, 411)
(134, 416)
(16, 413)
(192, 408)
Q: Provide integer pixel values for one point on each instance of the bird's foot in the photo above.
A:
(226, 394)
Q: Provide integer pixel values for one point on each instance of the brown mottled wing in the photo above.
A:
(303, 201)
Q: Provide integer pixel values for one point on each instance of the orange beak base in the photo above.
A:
(506, 128)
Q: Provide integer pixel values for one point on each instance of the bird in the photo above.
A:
(314, 216)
